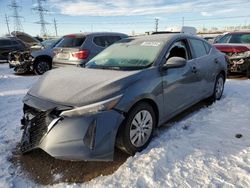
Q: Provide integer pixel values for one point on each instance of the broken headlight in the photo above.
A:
(92, 108)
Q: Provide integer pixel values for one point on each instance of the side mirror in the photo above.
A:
(174, 62)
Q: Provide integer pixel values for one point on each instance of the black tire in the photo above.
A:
(40, 66)
(218, 88)
(143, 131)
(248, 71)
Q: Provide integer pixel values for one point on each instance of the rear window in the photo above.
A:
(5, 42)
(238, 38)
(199, 47)
(208, 47)
(71, 41)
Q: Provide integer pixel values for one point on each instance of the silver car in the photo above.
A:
(77, 49)
(122, 95)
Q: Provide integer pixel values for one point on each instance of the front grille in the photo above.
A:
(35, 126)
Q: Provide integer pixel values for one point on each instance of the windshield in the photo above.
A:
(127, 54)
(238, 38)
(50, 43)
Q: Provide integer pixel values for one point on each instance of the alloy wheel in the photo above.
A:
(141, 128)
(42, 67)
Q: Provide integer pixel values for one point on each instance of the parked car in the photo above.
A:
(77, 49)
(122, 95)
(49, 42)
(237, 46)
(30, 60)
(9, 44)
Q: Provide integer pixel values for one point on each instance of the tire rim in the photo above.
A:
(219, 88)
(42, 67)
(141, 128)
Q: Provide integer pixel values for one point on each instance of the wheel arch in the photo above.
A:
(223, 73)
(46, 57)
(152, 103)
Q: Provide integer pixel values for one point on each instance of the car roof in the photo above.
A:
(95, 33)
(165, 37)
(239, 32)
(8, 38)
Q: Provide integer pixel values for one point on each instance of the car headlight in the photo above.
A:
(92, 108)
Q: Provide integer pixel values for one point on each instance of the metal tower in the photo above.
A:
(39, 8)
(156, 24)
(17, 23)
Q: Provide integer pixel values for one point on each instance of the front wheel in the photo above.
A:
(136, 132)
(41, 66)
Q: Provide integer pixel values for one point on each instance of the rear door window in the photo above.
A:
(5, 42)
(105, 41)
(71, 42)
(113, 39)
(198, 47)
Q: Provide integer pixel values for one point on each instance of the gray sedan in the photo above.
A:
(122, 95)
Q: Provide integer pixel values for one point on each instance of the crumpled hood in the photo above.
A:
(26, 38)
(74, 86)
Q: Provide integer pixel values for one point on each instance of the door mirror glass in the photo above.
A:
(175, 62)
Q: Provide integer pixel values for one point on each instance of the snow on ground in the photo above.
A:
(201, 150)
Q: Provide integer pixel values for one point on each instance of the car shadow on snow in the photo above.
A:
(46, 170)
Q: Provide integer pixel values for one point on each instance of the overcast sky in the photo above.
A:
(126, 15)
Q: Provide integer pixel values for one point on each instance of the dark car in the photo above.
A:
(122, 95)
(10, 44)
(237, 47)
(77, 49)
(38, 61)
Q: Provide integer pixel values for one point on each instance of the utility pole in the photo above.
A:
(55, 25)
(17, 23)
(7, 23)
(156, 24)
(39, 8)
(183, 21)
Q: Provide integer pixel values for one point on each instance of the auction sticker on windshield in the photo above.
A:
(151, 44)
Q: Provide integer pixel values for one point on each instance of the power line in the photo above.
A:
(219, 18)
(39, 8)
(17, 22)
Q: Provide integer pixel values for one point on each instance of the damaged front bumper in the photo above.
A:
(89, 138)
(22, 62)
(239, 63)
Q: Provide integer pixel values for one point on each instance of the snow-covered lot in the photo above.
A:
(200, 150)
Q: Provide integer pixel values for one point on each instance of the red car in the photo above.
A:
(237, 47)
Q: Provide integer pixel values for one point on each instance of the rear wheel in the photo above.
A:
(248, 71)
(41, 66)
(137, 130)
(218, 88)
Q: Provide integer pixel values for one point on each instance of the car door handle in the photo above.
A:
(216, 61)
(194, 70)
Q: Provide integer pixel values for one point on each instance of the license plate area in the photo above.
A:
(62, 55)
